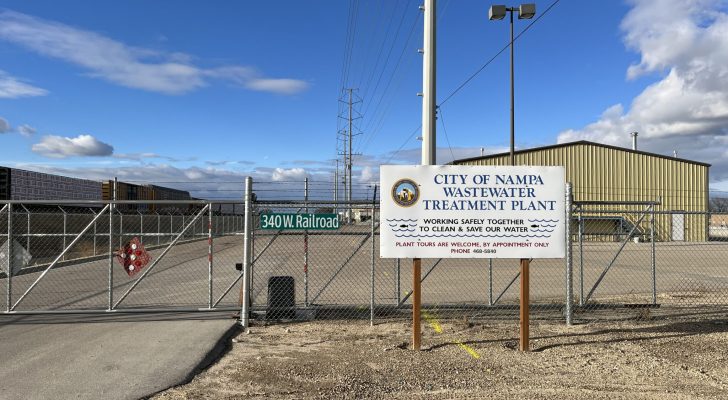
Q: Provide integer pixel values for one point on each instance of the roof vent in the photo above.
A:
(634, 140)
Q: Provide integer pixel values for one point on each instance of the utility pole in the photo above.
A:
(428, 146)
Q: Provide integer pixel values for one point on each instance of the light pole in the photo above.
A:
(525, 11)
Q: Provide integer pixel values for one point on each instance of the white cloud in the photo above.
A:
(13, 88)
(687, 109)
(293, 174)
(26, 130)
(4, 125)
(134, 67)
(62, 147)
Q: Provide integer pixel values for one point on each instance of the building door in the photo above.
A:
(678, 227)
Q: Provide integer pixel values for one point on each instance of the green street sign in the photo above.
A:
(311, 222)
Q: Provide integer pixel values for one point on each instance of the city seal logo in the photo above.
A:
(405, 192)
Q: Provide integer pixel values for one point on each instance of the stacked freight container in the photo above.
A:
(18, 184)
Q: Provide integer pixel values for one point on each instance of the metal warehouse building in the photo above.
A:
(601, 172)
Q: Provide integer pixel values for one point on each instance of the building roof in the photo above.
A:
(580, 142)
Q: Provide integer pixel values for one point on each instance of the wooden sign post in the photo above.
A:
(524, 334)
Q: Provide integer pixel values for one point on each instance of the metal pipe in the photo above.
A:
(373, 262)
(122, 311)
(305, 246)
(569, 260)
(653, 255)
(27, 229)
(65, 228)
(57, 259)
(245, 309)
(159, 227)
(513, 119)
(94, 238)
(141, 227)
(581, 260)
(112, 209)
(398, 283)
(9, 262)
(121, 229)
(490, 281)
(209, 256)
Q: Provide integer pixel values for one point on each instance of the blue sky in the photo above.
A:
(191, 92)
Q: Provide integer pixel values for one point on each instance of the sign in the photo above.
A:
(457, 211)
(311, 222)
(133, 257)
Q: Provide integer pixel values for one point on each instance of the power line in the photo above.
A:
(377, 126)
(442, 120)
(471, 77)
(403, 144)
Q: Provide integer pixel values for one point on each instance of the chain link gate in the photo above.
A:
(63, 256)
(626, 260)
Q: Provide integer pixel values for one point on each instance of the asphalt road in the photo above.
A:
(130, 356)
(118, 356)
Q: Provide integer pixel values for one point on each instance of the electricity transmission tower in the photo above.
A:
(349, 114)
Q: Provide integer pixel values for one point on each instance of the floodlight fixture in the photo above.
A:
(526, 11)
(497, 12)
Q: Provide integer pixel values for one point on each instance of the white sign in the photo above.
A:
(457, 211)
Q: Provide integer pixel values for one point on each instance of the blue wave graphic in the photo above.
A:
(544, 220)
(403, 230)
(542, 230)
(401, 220)
(547, 226)
(473, 236)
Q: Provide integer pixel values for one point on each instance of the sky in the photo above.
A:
(199, 95)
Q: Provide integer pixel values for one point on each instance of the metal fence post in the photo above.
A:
(397, 283)
(94, 231)
(112, 208)
(490, 281)
(27, 229)
(159, 227)
(141, 227)
(209, 256)
(371, 300)
(305, 246)
(581, 260)
(121, 229)
(569, 260)
(9, 296)
(654, 263)
(65, 230)
(244, 317)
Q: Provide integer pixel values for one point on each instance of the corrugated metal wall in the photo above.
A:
(610, 174)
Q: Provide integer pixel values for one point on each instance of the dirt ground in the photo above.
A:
(461, 359)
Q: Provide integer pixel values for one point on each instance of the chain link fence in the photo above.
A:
(627, 263)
